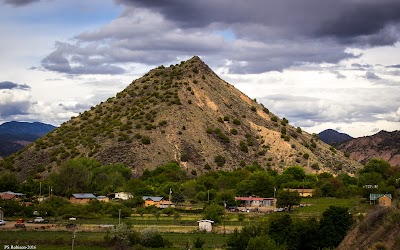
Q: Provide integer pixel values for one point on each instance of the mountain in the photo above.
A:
(16, 135)
(182, 113)
(333, 137)
(384, 145)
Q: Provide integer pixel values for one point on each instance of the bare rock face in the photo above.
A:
(384, 145)
(182, 113)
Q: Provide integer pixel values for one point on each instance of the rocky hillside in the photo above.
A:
(378, 230)
(333, 137)
(16, 135)
(182, 113)
(384, 145)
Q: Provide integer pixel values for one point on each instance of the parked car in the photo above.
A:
(2, 222)
(20, 223)
(38, 220)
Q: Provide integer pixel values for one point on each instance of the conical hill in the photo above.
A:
(182, 113)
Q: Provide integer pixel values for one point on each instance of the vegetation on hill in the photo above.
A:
(183, 113)
(282, 232)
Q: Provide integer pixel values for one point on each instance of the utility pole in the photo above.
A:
(73, 239)
(119, 217)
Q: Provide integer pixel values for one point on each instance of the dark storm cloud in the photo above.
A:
(263, 35)
(12, 85)
(349, 21)
(18, 3)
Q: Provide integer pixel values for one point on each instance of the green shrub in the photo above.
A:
(236, 121)
(219, 160)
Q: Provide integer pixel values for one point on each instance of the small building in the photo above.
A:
(303, 192)
(384, 200)
(165, 204)
(83, 198)
(252, 201)
(121, 196)
(103, 198)
(11, 195)
(205, 225)
(152, 200)
(1, 214)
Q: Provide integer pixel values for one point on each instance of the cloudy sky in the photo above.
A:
(321, 64)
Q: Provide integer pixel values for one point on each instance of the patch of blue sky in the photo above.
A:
(228, 34)
(72, 12)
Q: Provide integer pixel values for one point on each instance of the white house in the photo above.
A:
(205, 225)
(121, 195)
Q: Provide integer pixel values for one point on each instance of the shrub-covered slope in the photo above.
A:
(184, 113)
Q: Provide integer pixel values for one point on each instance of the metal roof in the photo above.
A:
(153, 198)
(374, 197)
(252, 199)
(84, 196)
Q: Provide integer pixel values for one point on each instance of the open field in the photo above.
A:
(91, 240)
(318, 205)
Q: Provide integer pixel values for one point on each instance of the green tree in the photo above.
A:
(8, 181)
(214, 212)
(334, 225)
(376, 166)
(297, 172)
(288, 199)
(263, 242)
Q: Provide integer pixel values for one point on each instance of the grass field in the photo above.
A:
(319, 205)
(90, 240)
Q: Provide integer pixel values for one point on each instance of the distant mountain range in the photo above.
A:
(16, 135)
(384, 145)
(333, 137)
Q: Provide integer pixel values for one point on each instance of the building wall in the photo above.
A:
(79, 201)
(205, 226)
(150, 203)
(385, 201)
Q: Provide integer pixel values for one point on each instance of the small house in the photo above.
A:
(152, 201)
(303, 192)
(1, 214)
(103, 198)
(384, 200)
(205, 225)
(252, 201)
(83, 198)
(11, 195)
(121, 196)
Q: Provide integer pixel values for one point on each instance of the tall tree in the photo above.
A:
(334, 224)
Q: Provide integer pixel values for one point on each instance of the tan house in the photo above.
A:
(303, 192)
(82, 198)
(384, 200)
(157, 201)
(103, 198)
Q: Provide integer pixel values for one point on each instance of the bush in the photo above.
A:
(145, 140)
(233, 131)
(199, 242)
(219, 160)
(152, 238)
(236, 121)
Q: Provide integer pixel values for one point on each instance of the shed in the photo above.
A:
(205, 225)
(384, 200)
(83, 198)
